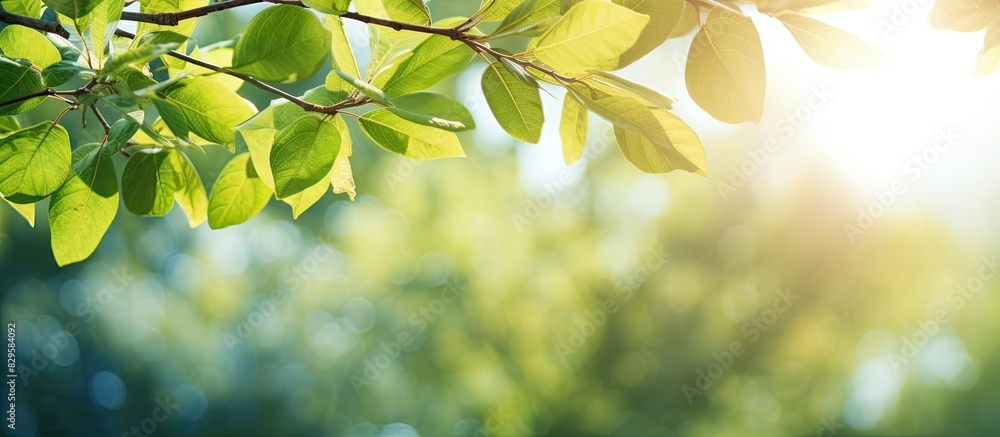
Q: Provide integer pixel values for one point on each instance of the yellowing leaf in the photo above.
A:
(725, 68)
(591, 36)
(963, 15)
(832, 47)
(663, 18)
(653, 139)
(989, 57)
(682, 151)
(573, 129)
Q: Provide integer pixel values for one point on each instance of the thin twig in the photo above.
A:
(100, 117)
(43, 93)
(332, 109)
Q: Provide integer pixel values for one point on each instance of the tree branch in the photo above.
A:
(34, 23)
(332, 109)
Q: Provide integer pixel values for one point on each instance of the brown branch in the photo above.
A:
(48, 92)
(34, 23)
(331, 109)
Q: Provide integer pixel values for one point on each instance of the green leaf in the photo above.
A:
(154, 178)
(407, 11)
(398, 135)
(432, 61)
(340, 176)
(336, 7)
(237, 194)
(103, 22)
(34, 162)
(82, 210)
(303, 154)
(73, 9)
(205, 107)
(282, 43)
(62, 72)
(22, 42)
(365, 87)
(135, 56)
(341, 56)
(637, 89)
(18, 80)
(963, 15)
(682, 151)
(725, 68)
(131, 82)
(8, 124)
(26, 210)
(663, 18)
(27, 8)
(121, 131)
(591, 36)
(527, 18)
(832, 47)
(573, 129)
(259, 133)
(519, 72)
(516, 106)
(434, 110)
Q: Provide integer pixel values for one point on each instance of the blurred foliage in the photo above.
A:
(154, 312)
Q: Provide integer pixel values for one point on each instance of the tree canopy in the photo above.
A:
(159, 96)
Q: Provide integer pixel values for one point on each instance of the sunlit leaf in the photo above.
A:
(725, 68)
(103, 22)
(432, 61)
(398, 135)
(205, 107)
(27, 8)
(27, 211)
(153, 179)
(833, 47)
(237, 194)
(434, 110)
(591, 36)
(963, 15)
(328, 6)
(303, 154)
(22, 42)
(681, 151)
(282, 43)
(365, 88)
(82, 210)
(516, 105)
(34, 162)
(18, 80)
(573, 129)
